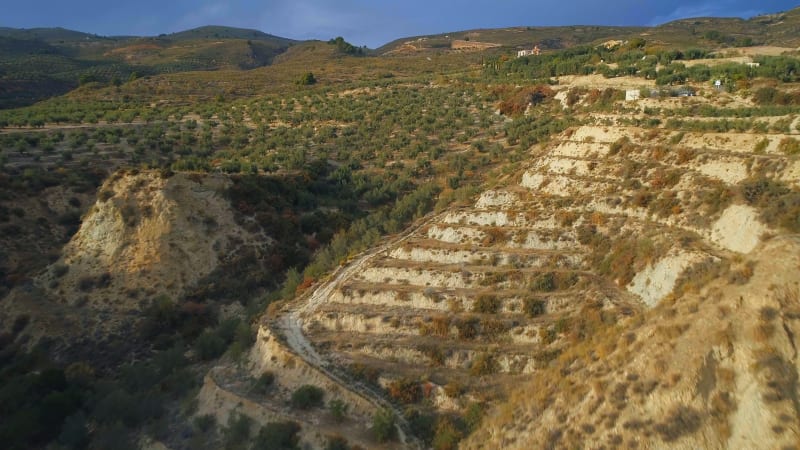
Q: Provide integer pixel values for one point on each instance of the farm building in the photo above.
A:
(533, 52)
(632, 95)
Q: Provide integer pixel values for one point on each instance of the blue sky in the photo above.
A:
(362, 22)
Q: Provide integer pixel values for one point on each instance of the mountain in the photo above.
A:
(43, 62)
(778, 29)
(50, 35)
(220, 32)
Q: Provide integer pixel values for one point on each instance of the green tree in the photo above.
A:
(383, 425)
(278, 436)
(307, 396)
(338, 410)
(307, 79)
(237, 433)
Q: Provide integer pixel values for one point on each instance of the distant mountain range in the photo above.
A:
(39, 63)
(781, 29)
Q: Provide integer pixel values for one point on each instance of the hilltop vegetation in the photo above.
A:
(40, 63)
(773, 29)
(36, 64)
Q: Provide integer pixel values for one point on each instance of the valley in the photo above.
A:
(430, 247)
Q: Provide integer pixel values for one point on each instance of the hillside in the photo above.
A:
(220, 32)
(775, 29)
(453, 247)
(40, 63)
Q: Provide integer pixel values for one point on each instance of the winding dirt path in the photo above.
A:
(290, 325)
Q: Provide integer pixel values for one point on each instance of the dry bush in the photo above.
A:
(468, 327)
(363, 372)
(685, 155)
(454, 389)
(761, 146)
(484, 364)
(405, 390)
(494, 236)
(622, 146)
(434, 353)
(663, 179)
(534, 307)
(493, 328)
(566, 218)
(642, 198)
(597, 219)
(700, 275)
(781, 377)
(486, 304)
(789, 146)
(742, 274)
(682, 420)
(516, 101)
(440, 326)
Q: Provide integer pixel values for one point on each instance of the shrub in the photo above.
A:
(780, 206)
(453, 389)
(566, 218)
(337, 442)
(205, 422)
(237, 433)
(545, 282)
(405, 390)
(434, 352)
(278, 436)
(264, 383)
(74, 432)
(486, 304)
(361, 372)
(209, 345)
(60, 269)
(447, 435)
(105, 194)
(307, 79)
(761, 146)
(789, 146)
(307, 396)
(467, 328)
(617, 145)
(484, 364)
(473, 416)
(338, 410)
(119, 406)
(383, 425)
(534, 307)
(494, 235)
(116, 436)
(681, 421)
(89, 283)
(422, 424)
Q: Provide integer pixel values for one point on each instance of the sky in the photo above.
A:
(361, 22)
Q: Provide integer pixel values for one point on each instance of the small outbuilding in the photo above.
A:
(632, 95)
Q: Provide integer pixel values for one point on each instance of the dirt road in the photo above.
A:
(290, 325)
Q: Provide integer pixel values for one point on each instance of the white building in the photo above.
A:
(632, 95)
(533, 52)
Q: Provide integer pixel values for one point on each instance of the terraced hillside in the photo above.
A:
(598, 232)
(595, 272)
